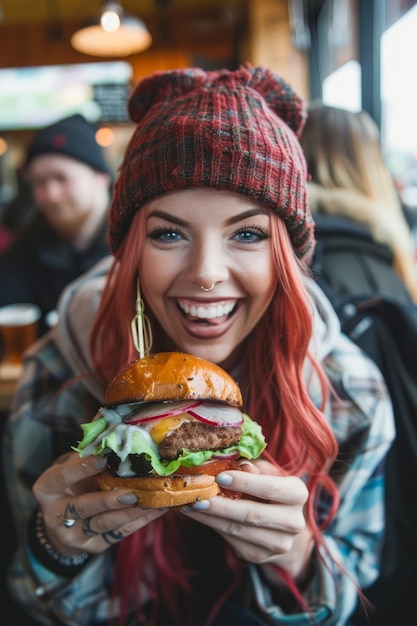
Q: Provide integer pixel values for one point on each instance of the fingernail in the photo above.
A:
(100, 462)
(201, 505)
(224, 479)
(128, 498)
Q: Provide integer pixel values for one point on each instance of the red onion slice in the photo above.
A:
(217, 414)
(159, 410)
(229, 456)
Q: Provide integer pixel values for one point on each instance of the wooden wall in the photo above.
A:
(176, 43)
(270, 44)
(258, 32)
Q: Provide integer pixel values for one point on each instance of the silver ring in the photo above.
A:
(205, 288)
(68, 521)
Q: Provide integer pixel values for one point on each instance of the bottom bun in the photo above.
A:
(163, 491)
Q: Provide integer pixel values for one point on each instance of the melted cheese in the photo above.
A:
(161, 428)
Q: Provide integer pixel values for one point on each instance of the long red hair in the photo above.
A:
(299, 438)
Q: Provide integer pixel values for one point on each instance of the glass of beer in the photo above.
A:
(19, 327)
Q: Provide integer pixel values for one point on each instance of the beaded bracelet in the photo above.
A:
(48, 555)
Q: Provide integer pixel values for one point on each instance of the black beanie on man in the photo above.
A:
(73, 137)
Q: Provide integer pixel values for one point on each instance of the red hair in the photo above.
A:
(299, 438)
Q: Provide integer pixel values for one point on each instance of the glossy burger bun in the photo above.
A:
(163, 491)
(169, 376)
(172, 376)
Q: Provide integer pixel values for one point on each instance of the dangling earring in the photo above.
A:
(141, 326)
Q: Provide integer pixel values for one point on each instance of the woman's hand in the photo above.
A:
(69, 491)
(266, 526)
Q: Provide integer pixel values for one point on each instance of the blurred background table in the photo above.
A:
(9, 375)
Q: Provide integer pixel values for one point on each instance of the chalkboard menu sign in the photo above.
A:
(112, 101)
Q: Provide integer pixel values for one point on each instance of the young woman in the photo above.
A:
(210, 219)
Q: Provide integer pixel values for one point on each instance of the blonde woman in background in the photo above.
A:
(353, 198)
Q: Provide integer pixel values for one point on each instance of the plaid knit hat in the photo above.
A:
(72, 136)
(230, 130)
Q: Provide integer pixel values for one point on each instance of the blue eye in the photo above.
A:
(166, 235)
(251, 235)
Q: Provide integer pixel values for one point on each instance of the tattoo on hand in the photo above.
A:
(87, 530)
(112, 537)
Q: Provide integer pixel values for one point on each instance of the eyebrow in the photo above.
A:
(232, 220)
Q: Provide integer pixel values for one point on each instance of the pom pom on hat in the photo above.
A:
(73, 137)
(230, 130)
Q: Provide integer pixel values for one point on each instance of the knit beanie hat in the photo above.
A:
(73, 137)
(229, 130)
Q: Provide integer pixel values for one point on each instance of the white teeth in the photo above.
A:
(207, 312)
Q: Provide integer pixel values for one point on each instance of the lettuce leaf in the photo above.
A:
(100, 437)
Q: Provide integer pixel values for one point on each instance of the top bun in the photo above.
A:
(172, 376)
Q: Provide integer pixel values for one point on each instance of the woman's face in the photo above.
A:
(200, 237)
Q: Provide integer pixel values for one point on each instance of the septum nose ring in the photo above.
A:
(205, 288)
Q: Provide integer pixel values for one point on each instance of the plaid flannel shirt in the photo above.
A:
(44, 423)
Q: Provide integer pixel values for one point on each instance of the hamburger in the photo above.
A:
(170, 423)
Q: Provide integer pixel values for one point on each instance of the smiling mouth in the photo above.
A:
(214, 313)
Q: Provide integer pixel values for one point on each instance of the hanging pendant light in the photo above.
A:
(113, 34)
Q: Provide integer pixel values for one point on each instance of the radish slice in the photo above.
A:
(217, 414)
(159, 410)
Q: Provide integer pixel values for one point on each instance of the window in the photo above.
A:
(32, 97)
